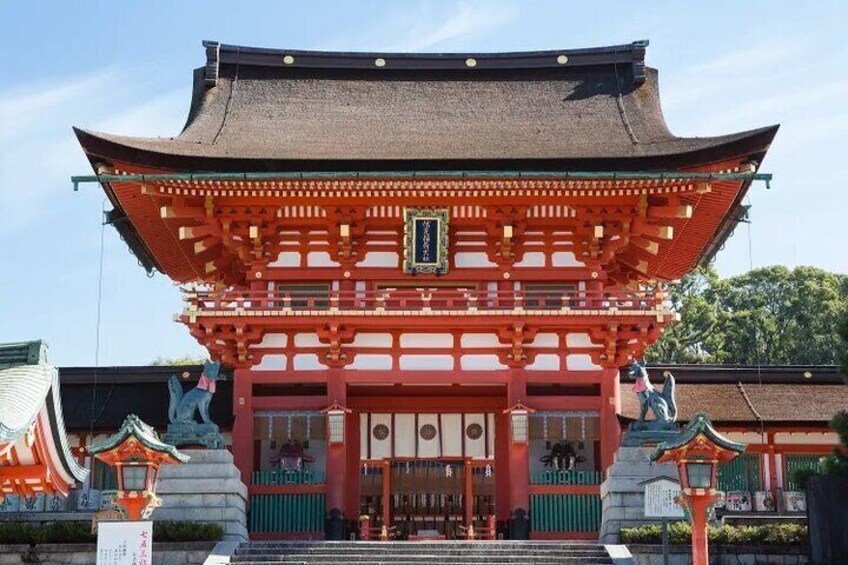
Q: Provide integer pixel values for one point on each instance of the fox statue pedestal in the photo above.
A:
(206, 489)
(623, 491)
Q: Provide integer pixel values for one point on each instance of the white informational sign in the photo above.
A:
(659, 499)
(124, 543)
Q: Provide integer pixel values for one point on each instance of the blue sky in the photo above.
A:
(125, 67)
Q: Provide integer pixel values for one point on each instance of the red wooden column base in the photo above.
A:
(243, 425)
(610, 426)
(519, 465)
(336, 461)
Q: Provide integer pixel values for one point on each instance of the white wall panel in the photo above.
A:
(286, 259)
(545, 362)
(320, 259)
(272, 363)
(471, 260)
(581, 362)
(470, 341)
(272, 340)
(307, 362)
(372, 340)
(307, 340)
(371, 362)
(546, 340)
(430, 341)
(579, 340)
(532, 259)
(426, 362)
(481, 363)
(380, 259)
(565, 259)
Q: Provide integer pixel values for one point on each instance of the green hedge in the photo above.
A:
(80, 532)
(680, 533)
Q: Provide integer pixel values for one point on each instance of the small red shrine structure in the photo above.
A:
(34, 454)
(426, 240)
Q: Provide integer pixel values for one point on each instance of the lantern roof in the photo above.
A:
(134, 428)
(698, 429)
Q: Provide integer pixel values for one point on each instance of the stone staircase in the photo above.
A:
(420, 553)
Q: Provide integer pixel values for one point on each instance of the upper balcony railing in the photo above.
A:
(424, 301)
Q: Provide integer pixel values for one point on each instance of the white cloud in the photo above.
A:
(38, 151)
(466, 19)
(28, 109)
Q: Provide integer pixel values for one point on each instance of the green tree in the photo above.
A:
(769, 316)
(171, 361)
(694, 338)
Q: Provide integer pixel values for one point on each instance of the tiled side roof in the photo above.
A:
(735, 402)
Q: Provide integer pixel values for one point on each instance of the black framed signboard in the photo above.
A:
(425, 241)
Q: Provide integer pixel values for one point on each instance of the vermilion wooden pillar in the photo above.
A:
(519, 464)
(502, 465)
(243, 425)
(610, 426)
(336, 460)
(353, 454)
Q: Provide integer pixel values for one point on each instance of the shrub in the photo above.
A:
(80, 532)
(680, 533)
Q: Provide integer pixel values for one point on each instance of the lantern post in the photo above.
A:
(697, 454)
(136, 453)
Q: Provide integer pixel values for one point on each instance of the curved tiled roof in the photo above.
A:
(266, 109)
(23, 390)
(29, 388)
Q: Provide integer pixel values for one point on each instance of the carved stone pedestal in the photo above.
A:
(623, 491)
(192, 433)
(206, 489)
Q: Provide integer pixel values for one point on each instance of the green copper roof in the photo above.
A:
(134, 427)
(22, 353)
(698, 425)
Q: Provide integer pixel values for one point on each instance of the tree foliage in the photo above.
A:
(177, 361)
(769, 316)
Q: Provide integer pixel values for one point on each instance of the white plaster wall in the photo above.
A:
(372, 340)
(472, 260)
(320, 259)
(380, 259)
(565, 259)
(546, 340)
(580, 362)
(371, 362)
(532, 259)
(426, 362)
(579, 340)
(272, 363)
(480, 363)
(307, 340)
(286, 259)
(307, 362)
(429, 341)
(272, 340)
(545, 362)
(471, 341)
